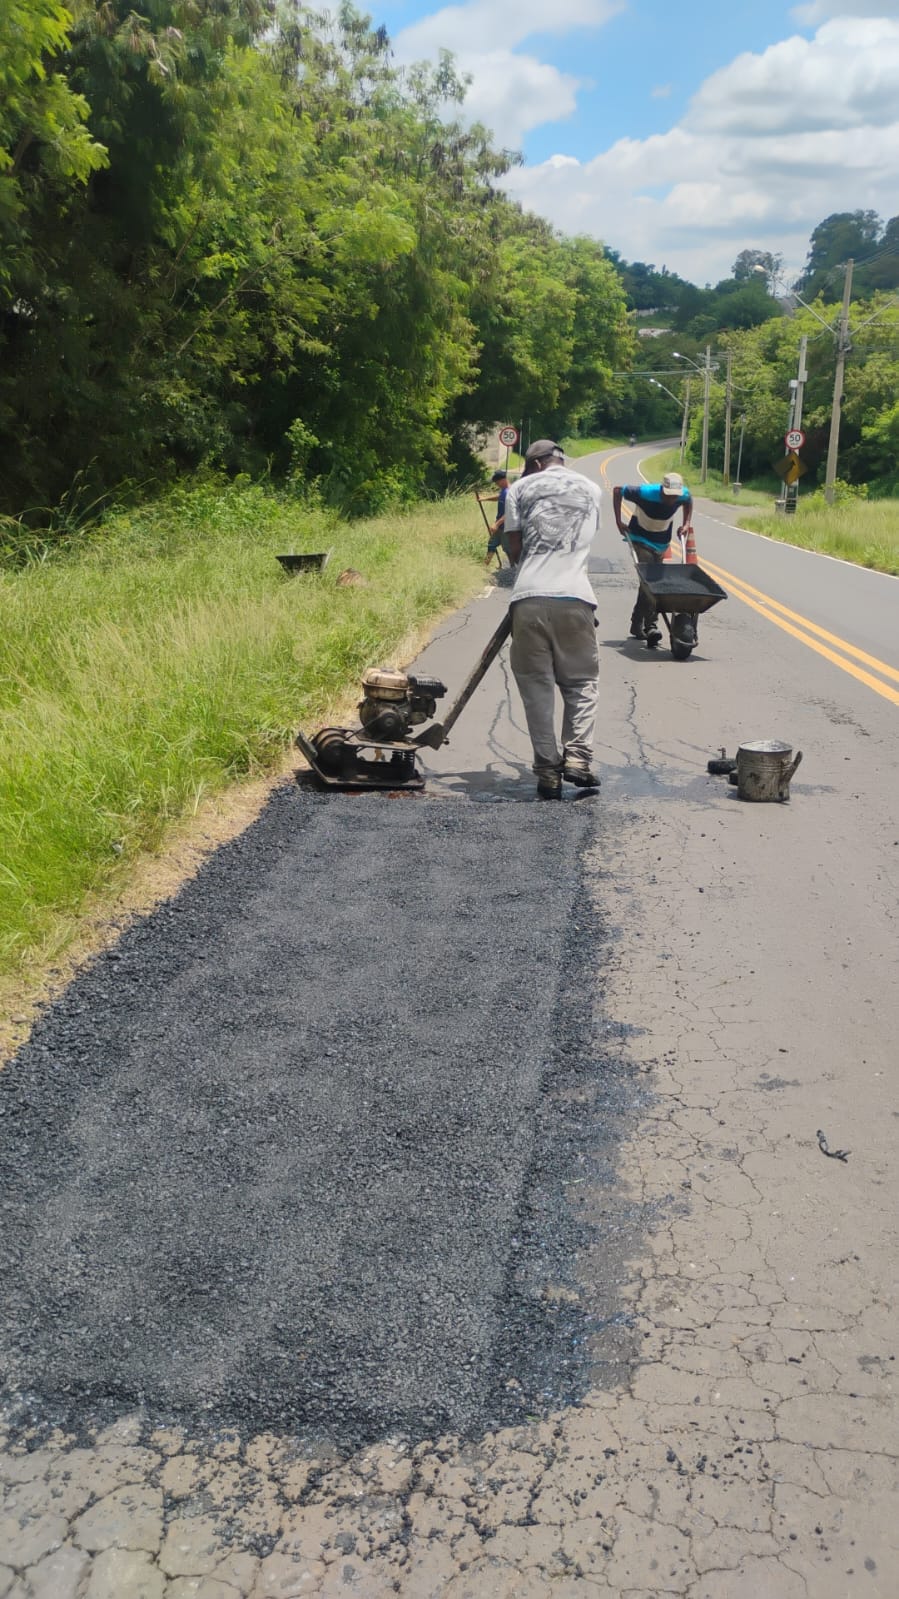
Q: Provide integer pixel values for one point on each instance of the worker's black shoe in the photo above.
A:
(580, 774)
(636, 629)
(653, 637)
(549, 787)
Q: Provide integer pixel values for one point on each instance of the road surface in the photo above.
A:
(431, 1198)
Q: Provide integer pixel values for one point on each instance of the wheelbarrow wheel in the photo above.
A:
(684, 636)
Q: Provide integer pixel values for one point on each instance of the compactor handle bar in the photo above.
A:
(439, 732)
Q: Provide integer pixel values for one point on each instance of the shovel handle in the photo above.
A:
(482, 511)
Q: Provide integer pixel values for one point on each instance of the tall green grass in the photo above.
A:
(577, 447)
(863, 531)
(167, 654)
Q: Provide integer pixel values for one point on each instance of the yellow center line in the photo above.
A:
(810, 627)
(804, 632)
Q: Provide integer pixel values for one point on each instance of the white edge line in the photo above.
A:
(822, 555)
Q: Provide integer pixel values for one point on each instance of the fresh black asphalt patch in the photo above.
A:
(298, 1153)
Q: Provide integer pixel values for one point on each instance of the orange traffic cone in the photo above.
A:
(690, 556)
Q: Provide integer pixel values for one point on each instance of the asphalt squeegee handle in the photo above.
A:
(439, 732)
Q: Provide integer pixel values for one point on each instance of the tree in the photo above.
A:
(840, 236)
(95, 308)
(740, 303)
(293, 240)
(43, 137)
(745, 267)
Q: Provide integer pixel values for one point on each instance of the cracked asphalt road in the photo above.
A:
(680, 1314)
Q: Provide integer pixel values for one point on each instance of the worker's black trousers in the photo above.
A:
(644, 614)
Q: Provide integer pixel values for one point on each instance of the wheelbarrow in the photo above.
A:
(680, 592)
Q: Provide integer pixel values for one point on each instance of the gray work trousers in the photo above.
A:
(554, 645)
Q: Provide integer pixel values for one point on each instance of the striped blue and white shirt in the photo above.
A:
(653, 513)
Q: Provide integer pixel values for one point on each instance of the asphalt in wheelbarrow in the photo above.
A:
(680, 587)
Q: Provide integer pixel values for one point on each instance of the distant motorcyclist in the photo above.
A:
(655, 506)
(633, 440)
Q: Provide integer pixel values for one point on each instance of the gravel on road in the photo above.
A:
(300, 1151)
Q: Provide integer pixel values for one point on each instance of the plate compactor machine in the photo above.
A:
(381, 752)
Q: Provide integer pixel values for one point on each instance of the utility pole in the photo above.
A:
(801, 379)
(684, 421)
(843, 347)
(740, 451)
(727, 406)
(707, 382)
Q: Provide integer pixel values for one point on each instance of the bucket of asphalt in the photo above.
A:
(764, 769)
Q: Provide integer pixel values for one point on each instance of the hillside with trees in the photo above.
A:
(755, 319)
(245, 239)
(236, 236)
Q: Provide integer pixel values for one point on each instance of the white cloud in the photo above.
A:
(846, 75)
(661, 92)
(816, 11)
(510, 92)
(517, 93)
(482, 25)
(769, 146)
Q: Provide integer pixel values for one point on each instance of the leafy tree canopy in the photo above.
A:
(861, 236)
(242, 237)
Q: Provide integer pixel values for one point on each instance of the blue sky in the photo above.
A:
(680, 135)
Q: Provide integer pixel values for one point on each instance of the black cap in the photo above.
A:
(541, 448)
(498, 476)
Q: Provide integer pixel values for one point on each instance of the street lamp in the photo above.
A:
(657, 385)
(685, 411)
(795, 296)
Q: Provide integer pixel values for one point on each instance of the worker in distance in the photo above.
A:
(654, 507)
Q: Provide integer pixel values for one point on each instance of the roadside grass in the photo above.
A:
(166, 655)
(572, 447)
(576, 447)
(865, 532)
(654, 466)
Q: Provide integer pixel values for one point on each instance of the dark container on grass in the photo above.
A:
(304, 563)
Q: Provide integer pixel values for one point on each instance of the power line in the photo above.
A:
(888, 249)
(865, 260)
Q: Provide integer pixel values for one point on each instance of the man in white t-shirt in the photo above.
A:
(551, 520)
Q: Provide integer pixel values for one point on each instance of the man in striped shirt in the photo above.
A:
(654, 508)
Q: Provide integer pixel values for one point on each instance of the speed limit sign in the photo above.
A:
(508, 437)
(795, 439)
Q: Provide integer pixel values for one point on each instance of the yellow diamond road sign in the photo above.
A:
(790, 468)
